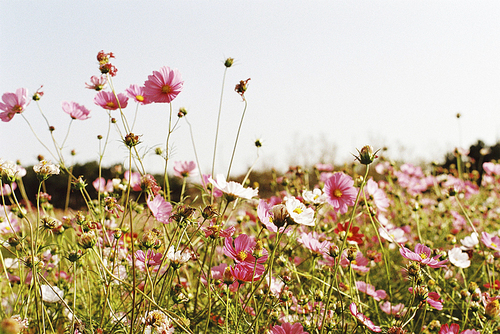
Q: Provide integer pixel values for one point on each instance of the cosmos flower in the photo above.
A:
(298, 212)
(75, 110)
(97, 83)
(51, 294)
(288, 328)
(422, 254)
(363, 319)
(449, 329)
(232, 189)
(311, 242)
(340, 192)
(388, 308)
(242, 249)
(160, 208)
(13, 103)
(109, 101)
(136, 92)
(163, 86)
(377, 195)
(370, 290)
(184, 169)
(458, 258)
(491, 241)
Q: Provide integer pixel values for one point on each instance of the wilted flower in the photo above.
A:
(241, 88)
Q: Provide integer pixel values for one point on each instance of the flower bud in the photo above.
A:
(366, 155)
(88, 239)
(131, 140)
(74, 255)
(280, 215)
(209, 212)
(492, 309)
(258, 250)
(229, 62)
(351, 253)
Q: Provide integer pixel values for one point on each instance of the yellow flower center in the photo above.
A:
(242, 255)
(423, 256)
(17, 108)
(139, 98)
(166, 89)
(111, 104)
(297, 210)
(337, 193)
(494, 245)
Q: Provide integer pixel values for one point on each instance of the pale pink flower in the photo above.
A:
(491, 169)
(136, 92)
(340, 192)
(135, 180)
(163, 86)
(102, 186)
(97, 83)
(311, 242)
(422, 254)
(13, 103)
(7, 189)
(160, 208)
(75, 110)
(491, 241)
(470, 331)
(363, 319)
(376, 194)
(388, 308)
(149, 258)
(288, 328)
(324, 167)
(370, 290)
(177, 258)
(206, 182)
(108, 101)
(359, 264)
(184, 169)
(470, 241)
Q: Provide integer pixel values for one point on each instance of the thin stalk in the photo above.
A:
(217, 128)
(237, 137)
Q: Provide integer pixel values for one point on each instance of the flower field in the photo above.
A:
(373, 246)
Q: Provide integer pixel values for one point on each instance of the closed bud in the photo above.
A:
(88, 239)
(280, 215)
(351, 253)
(366, 155)
(492, 309)
(131, 140)
(229, 62)
(258, 249)
(209, 212)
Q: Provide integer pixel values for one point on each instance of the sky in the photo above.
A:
(327, 77)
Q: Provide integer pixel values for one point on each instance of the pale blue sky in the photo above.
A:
(323, 74)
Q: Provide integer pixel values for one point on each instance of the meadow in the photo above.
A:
(372, 246)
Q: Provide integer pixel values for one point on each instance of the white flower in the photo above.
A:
(233, 189)
(11, 263)
(458, 258)
(8, 171)
(46, 169)
(51, 294)
(470, 242)
(178, 258)
(315, 197)
(298, 212)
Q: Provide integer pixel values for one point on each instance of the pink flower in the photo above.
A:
(287, 328)
(311, 242)
(370, 290)
(422, 254)
(376, 194)
(6, 190)
(135, 180)
(136, 92)
(13, 103)
(184, 169)
(451, 329)
(108, 101)
(340, 192)
(163, 86)
(244, 272)
(160, 208)
(97, 83)
(470, 331)
(392, 309)
(242, 251)
(100, 185)
(150, 258)
(491, 241)
(206, 182)
(75, 110)
(363, 319)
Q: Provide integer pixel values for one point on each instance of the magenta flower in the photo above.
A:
(363, 319)
(136, 92)
(150, 258)
(75, 110)
(451, 329)
(433, 299)
(184, 169)
(370, 290)
(160, 208)
(135, 180)
(423, 254)
(97, 83)
(491, 241)
(288, 328)
(340, 192)
(244, 272)
(163, 86)
(108, 101)
(13, 103)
